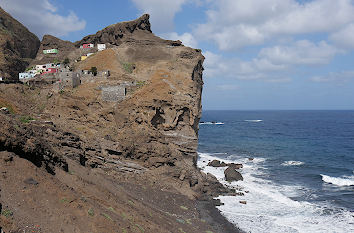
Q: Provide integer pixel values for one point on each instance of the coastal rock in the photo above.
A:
(235, 165)
(217, 163)
(18, 46)
(232, 175)
(243, 202)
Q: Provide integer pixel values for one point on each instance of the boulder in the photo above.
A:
(232, 175)
(235, 165)
(217, 163)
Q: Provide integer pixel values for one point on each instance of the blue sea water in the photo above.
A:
(301, 178)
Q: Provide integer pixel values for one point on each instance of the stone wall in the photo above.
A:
(113, 93)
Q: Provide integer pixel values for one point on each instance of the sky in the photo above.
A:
(260, 54)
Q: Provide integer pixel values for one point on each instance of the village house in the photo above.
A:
(25, 75)
(69, 79)
(50, 51)
(101, 47)
(83, 58)
(87, 46)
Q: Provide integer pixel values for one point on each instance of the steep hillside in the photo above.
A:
(18, 46)
(85, 162)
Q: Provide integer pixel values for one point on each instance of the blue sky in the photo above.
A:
(270, 54)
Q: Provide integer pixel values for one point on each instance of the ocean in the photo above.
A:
(301, 178)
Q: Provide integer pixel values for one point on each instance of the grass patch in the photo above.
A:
(128, 67)
(91, 212)
(189, 221)
(183, 207)
(209, 232)
(64, 200)
(181, 230)
(7, 213)
(180, 221)
(124, 230)
(26, 119)
(111, 209)
(140, 228)
(107, 216)
(131, 203)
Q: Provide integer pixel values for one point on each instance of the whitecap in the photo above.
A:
(339, 181)
(211, 123)
(292, 163)
(269, 207)
(254, 120)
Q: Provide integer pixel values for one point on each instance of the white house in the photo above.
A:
(25, 75)
(101, 47)
(89, 54)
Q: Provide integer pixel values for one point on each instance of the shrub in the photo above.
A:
(94, 70)
(128, 67)
(26, 119)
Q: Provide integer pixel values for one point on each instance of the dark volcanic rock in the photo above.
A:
(235, 165)
(18, 46)
(116, 33)
(232, 175)
(217, 163)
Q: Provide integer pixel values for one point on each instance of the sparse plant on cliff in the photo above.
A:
(91, 212)
(26, 119)
(66, 61)
(128, 67)
(94, 70)
(7, 213)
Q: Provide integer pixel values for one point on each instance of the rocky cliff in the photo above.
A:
(108, 164)
(18, 46)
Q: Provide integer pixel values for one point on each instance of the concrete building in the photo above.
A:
(89, 54)
(69, 79)
(101, 47)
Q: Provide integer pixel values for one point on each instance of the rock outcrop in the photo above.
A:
(115, 34)
(65, 48)
(18, 46)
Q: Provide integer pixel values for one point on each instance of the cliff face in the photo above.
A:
(128, 164)
(18, 46)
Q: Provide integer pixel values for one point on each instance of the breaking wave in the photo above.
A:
(339, 181)
(292, 163)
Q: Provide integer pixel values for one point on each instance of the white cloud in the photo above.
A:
(186, 38)
(302, 52)
(233, 24)
(344, 37)
(41, 17)
(162, 12)
(338, 77)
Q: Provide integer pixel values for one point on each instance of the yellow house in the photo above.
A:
(83, 58)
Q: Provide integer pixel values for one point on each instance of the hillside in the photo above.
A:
(18, 46)
(83, 161)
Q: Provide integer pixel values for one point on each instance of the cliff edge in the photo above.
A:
(116, 153)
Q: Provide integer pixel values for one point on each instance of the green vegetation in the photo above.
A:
(124, 230)
(131, 203)
(91, 212)
(7, 213)
(64, 200)
(107, 216)
(66, 61)
(181, 230)
(128, 67)
(94, 70)
(140, 228)
(26, 119)
(180, 220)
(183, 207)
(208, 232)
(29, 68)
(111, 209)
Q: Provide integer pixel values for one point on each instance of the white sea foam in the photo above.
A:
(211, 123)
(268, 208)
(292, 163)
(254, 120)
(339, 181)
